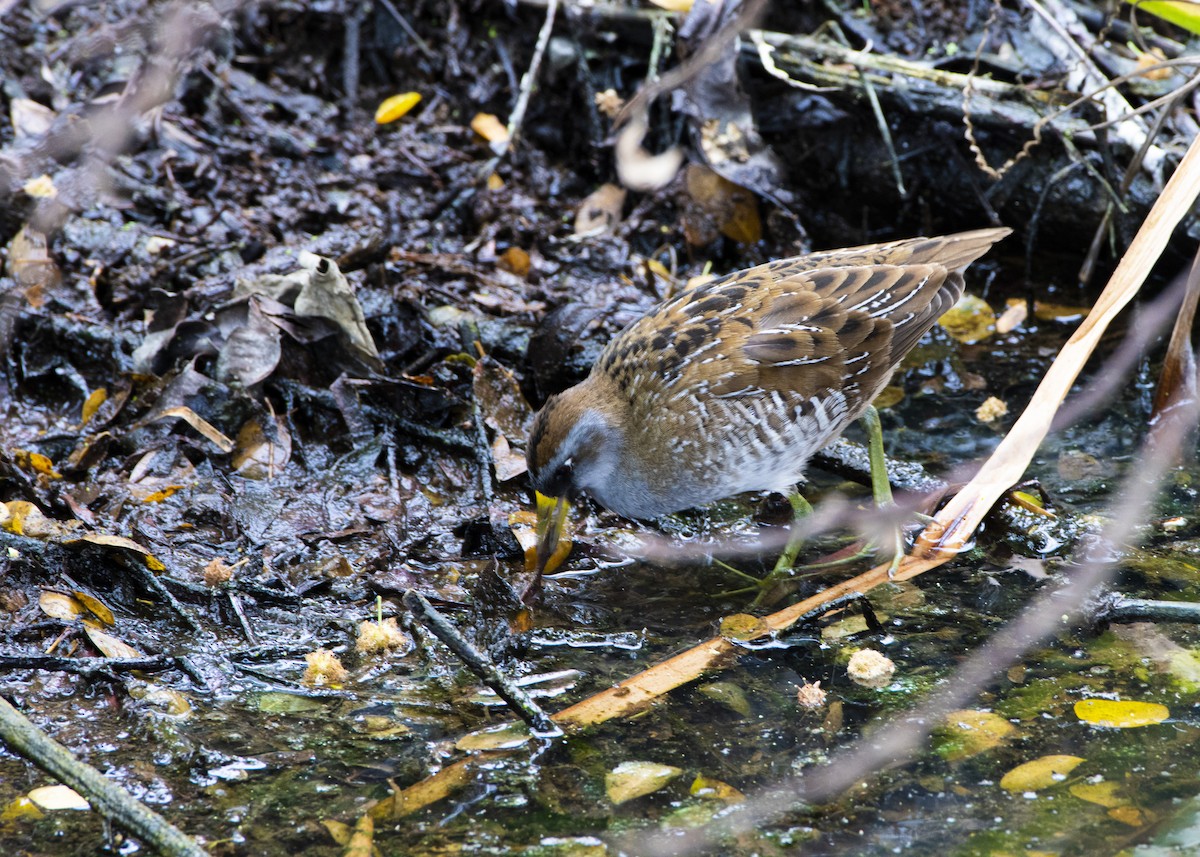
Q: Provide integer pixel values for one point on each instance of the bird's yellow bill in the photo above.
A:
(553, 541)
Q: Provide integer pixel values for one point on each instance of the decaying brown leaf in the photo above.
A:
(600, 212)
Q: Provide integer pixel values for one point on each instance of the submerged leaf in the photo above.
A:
(58, 797)
(1120, 714)
(968, 733)
(1104, 794)
(630, 780)
(1040, 773)
(969, 320)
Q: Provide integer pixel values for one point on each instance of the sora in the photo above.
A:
(731, 386)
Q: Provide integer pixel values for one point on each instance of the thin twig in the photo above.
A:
(517, 118)
(480, 664)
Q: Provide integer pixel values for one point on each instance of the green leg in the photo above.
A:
(880, 487)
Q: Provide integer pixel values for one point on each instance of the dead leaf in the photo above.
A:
(1040, 773)
(30, 264)
(508, 464)
(487, 126)
(733, 209)
(637, 168)
(207, 429)
(630, 780)
(251, 352)
(109, 645)
(257, 456)
(600, 212)
(59, 605)
(123, 544)
(29, 118)
(328, 294)
(396, 106)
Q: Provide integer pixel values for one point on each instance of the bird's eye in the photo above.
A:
(560, 482)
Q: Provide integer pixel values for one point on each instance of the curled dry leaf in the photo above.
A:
(637, 168)
(207, 429)
(600, 212)
(524, 529)
(487, 126)
(328, 294)
(122, 544)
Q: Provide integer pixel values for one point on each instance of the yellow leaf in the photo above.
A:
(159, 496)
(1181, 13)
(630, 780)
(489, 128)
(524, 528)
(743, 626)
(969, 320)
(41, 188)
(59, 605)
(968, 733)
(398, 105)
(715, 790)
(35, 462)
(1129, 815)
(20, 809)
(96, 607)
(1120, 714)
(94, 400)
(1039, 774)
(683, 6)
(1104, 794)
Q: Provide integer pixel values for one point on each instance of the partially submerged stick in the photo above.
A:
(109, 799)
